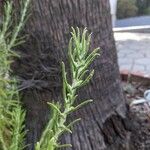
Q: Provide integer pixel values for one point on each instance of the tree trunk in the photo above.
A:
(103, 121)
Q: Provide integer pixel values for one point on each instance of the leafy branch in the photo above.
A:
(79, 60)
(12, 116)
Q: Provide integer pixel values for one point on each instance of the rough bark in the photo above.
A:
(103, 122)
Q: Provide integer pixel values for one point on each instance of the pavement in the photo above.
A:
(133, 52)
(133, 21)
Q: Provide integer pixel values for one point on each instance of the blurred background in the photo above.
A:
(123, 11)
(131, 25)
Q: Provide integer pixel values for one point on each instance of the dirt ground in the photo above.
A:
(140, 139)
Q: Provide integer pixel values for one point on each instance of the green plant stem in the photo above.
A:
(20, 25)
(79, 60)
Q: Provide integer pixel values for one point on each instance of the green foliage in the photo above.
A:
(18, 133)
(126, 8)
(131, 8)
(147, 11)
(143, 7)
(12, 115)
(79, 59)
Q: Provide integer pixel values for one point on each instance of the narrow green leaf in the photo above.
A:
(88, 78)
(82, 104)
(55, 108)
(73, 122)
(64, 146)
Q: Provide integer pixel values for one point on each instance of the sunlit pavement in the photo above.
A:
(133, 52)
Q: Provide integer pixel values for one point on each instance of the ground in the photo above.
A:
(133, 49)
(140, 114)
(134, 52)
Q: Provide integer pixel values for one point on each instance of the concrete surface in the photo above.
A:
(133, 52)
